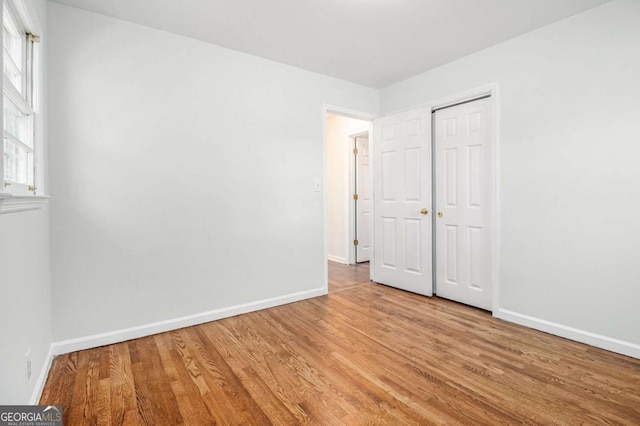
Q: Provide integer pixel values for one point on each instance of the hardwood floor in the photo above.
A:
(365, 354)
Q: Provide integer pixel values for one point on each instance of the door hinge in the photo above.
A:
(355, 242)
(355, 150)
(355, 197)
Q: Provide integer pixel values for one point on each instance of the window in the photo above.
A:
(22, 148)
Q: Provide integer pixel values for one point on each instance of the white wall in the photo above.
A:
(25, 300)
(338, 130)
(182, 174)
(569, 107)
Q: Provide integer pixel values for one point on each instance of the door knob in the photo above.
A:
(424, 211)
(439, 214)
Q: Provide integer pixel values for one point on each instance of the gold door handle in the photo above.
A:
(439, 214)
(424, 211)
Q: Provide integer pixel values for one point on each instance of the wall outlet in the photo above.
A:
(27, 357)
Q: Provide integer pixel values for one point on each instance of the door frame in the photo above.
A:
(327, 109)
(351, 189)
(491, 90)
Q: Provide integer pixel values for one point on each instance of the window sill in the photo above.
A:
(11, 203)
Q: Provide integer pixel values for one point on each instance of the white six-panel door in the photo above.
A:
(464, 203)
(402, 188)
(364, 202)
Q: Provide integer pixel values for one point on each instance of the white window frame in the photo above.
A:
(16, 197)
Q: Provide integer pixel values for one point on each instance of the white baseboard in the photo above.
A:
(597, 340)
(42, 378)
(338, 259)
(117, 336)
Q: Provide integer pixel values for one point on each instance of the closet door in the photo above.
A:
(402, 201)
(464, 203)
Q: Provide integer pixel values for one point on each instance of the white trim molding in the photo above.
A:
(117, 336)
(42, 378)
(582, 336)
(11, 203)
(338, 259)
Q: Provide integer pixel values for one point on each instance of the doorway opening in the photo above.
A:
(348, 189)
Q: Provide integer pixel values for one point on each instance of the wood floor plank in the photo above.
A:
(364, 354)
(124, 407)
(80, 396)
(103, 409)
(59, 384)
(151, 383)
(191, 408)
(195, 383)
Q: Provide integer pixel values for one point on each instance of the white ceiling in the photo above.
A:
(371, 42)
